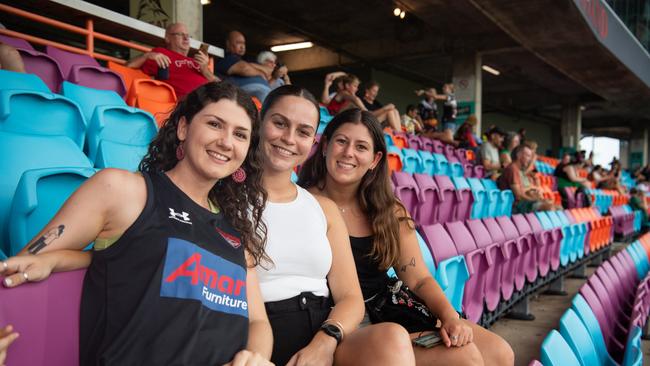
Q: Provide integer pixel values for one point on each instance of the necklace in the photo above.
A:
(342, 209)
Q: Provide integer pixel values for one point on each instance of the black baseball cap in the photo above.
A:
(496, 130)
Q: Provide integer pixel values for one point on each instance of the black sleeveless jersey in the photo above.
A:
(170, 291)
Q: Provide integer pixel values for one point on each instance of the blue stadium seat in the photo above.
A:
(124, 125)
(456, 169)
(441, 165)
(589, 320)
(556, 351)
(388, 140)
(31, 152)
(19, 80)
(89, 98)
(39, 113)
(577, 336)
(479, 193)
(426, 256)
(464, 199)
(116, 155)
(412, 161)
(506, 198)
(493, 196)
(633, 354)
(428, 163)
(568, 240)
(578, 243)
(39, 196)
(547, 223)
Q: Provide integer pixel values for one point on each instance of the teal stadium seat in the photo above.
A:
(576, 335)
(39, 113)
(441, 165)
(428, 163)
(426, 256)
(31, 152)
(39, 196)
(10, 80)
(123, 125)
(505, 198)
(556, 351)
(589, 320)
(412, 161)
(116, 155)
(633, 353)
(88, 98)
(479, 208)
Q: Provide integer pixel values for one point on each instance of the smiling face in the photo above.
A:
(217, 139)
(350, 153)
(288, 132)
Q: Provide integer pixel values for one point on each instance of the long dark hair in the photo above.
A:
(241, 203)
(376, 197)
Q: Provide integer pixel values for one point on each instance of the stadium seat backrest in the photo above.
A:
(438, 147)
(159, 110)
(19, 80)
(447, 206)
(128, 74)
(88, 98)
(38, 113)
(39, 196)
(426, 254)
(116, 155)
(154, 90)
(407, 191)
(557, 352)
(394, 158)
(577, 336)
(411, 161)
(68, 59)
(480, 198)
(38, 63)
(440, 243)
(46, 314)
(428, 163)
(15, 42)
(429, 200)
(589, 320)
(464, 198)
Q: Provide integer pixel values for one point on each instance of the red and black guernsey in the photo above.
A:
(170, 291)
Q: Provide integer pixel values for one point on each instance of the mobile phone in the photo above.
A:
(428, 341)
(204, 48)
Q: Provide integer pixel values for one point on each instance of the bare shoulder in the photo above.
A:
(118, 183)
(325, 203)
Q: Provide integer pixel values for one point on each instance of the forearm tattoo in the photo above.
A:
(411, 263)
(47, 238)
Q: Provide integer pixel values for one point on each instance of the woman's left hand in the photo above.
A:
(455, 332)
(248, 358)
(319, 352)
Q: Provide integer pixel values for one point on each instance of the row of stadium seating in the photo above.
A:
(604, 324)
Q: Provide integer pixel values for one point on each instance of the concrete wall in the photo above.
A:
(537, 131)
(395, 90)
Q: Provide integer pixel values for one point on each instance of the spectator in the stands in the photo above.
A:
(280, 74)
(332, 79)
(410, 120)
(249, 76)
(449, 107)
(10, 59)
(387, 115)
(531, 171)
(511, 141)
(184, 73)
(346, 96)
(7, 336)
(490, 152)
(567, 172)
(428, 111)
(638, 202)
(527, 197)
(465, 133)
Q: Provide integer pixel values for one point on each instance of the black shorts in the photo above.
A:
(295, 321)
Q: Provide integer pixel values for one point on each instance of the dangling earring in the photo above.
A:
(239, 176)
(180, 153)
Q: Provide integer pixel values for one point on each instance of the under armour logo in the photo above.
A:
(183, 217)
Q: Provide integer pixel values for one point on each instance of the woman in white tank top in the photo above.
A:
(311, 266)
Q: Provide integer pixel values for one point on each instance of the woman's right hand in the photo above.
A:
(26, 268)
(7, 336)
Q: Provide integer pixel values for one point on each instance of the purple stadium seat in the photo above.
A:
(46, 67)
(468, 170)
(46, 314)
(617, 331)
(548, 245)
(438, 147)
(477, 265)
(414, 142)
(462, 155)
(479, 171)
(601, 314)
(429, 200)
(407, 192)
(464, 199)
(507, 283)
(447, 205)
(528, 264)
(624, 273)
(516, 256)
(621, 299)
(450, 152)
(427, 144)
(84, 70)
(495, 253)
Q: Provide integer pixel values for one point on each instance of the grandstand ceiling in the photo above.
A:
(545, 51)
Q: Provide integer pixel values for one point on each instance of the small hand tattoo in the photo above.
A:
(47, 238)
(411, 263)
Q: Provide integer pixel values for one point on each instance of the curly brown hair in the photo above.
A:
(241, 203)
(376, 198)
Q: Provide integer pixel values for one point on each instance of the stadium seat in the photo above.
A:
(88, 98)
(506, 281)
(400, 140)
(19, 80)
(556, 351)
(128, 74)
(394, 159)
(117, 155)
(464, 199)
(441, 165)
(412, 162)
(548, 246)
(407, 191)
(38, 63)
(84, 70)
(46, 314)
(577, 337)
(529, 261)
(608, 328)
(456, 168)
(159, 99)
(505, 198)
(414, 142)
(388, 138)
(451, 270)
(31, 152)
(567, 254)
(427, 144)
(479, 207)
(428, 162)
(633, 354)
(39, 196)
(523, 245)
(429, 199)
(438, 147)
(124, 125)
(38, 113)
(559, 256)
(479, 171)
(586, 315)
(447, 203)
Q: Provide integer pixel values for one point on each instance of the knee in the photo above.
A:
(392, 345)
(500, 353)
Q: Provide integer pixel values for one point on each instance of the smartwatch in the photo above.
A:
(332, 331)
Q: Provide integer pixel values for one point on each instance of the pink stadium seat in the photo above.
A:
(506, 275)
(447, 206)
(522, 245)
(46, 67)
(429, 201)
(407, 191)
(528, 263)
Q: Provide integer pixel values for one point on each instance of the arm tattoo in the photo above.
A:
(411, 263)
(47, 238)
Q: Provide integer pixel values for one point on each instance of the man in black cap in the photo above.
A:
(490, 152)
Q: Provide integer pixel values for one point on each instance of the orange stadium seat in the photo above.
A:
(128, 74)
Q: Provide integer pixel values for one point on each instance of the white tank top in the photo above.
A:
(297, 243)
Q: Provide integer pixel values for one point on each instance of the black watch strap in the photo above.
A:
(332, 331)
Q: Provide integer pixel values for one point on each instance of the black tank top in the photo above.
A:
(371, 278)
(170, 291)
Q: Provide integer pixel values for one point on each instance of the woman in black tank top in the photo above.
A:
(168, 281)
(350, 168)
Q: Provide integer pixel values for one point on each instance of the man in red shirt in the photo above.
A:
(185, 73)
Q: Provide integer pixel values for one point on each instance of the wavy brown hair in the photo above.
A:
(241, 203)
(376, 197)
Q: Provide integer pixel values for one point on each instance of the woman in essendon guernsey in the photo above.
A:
(169, 279)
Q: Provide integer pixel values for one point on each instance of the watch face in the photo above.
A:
(332, 331)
